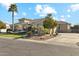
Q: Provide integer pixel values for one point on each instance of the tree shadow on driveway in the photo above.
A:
(77, 43)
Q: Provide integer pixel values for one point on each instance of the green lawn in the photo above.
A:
(10, 36)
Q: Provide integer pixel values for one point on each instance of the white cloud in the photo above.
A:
(43, 10)
(6, 5)
(15, 13)
(55, 18)
(24, 14)
(38, 8)
(68, 10)
(62, 18)
(48, 9)
(42, 15)
(74, 7)
(72, 25)
(68, 16)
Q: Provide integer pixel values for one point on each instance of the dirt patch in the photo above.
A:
(43, 37)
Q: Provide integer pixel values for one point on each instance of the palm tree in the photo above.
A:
(48, 16)
(12, 8)
(50, 23)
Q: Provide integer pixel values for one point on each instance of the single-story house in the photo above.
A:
(4, 30)
(62, 25)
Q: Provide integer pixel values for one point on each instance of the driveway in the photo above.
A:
(10, 47)
(67, 39)
(64, 39)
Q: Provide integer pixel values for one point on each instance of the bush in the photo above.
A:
(29, 33)
(41, 30)
(9, 30)
(40, 33)
(46, 31)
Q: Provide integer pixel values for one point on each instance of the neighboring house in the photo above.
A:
(5, 30)
(23, 20)
(75, 29)
(22, 24)
(37, 22)
(62, 26)
(7, 26)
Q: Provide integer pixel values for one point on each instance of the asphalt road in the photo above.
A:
(23, 48)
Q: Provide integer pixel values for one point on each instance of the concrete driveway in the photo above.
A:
(66, 39)
(9, 47)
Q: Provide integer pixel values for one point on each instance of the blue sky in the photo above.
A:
(68, 12)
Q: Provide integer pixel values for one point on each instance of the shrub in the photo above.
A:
(29, 33)
(9, 30)
(46, 31)
(41, 30)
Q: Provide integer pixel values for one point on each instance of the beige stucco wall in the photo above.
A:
(64, 28)
(7, 26)
(25, 21)
(19, 27)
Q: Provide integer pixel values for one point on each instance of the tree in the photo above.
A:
(48, 16)
(12, 8)
(2, 25)
(22, 19)
(76, 26)
(49, 23)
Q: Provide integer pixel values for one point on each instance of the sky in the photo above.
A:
(68, 12)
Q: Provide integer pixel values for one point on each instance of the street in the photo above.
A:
(10, 47)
